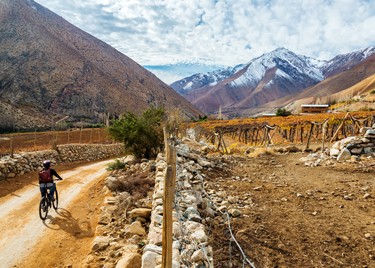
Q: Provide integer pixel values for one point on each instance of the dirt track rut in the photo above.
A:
(22, 231)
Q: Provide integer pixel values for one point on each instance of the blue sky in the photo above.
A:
(201, 35)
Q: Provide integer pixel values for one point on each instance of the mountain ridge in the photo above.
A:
(277, 75)
(55, 68)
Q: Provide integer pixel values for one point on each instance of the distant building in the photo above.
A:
(268, 114)
(314, 108)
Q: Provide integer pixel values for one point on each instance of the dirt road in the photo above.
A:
(63, 239)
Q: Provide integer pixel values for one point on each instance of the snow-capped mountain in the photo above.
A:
(202, 79)
(289, 66)
(344, 62)
(272, 76)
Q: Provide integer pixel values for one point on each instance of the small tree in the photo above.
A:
(142, 135)
(282, 112)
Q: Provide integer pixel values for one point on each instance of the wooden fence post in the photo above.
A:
(324, 130)
(309, 138)
(169, 184)
(340, 126)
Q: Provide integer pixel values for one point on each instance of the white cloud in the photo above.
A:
(222, 31)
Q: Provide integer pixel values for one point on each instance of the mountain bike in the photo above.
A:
(45, 203)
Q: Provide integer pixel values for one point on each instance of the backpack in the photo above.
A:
(45, 176)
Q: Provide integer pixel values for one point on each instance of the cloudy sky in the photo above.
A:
(177, 38)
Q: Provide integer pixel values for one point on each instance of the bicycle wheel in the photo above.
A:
(43, 208)
(55, 203)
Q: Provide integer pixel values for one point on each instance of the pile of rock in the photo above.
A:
(130, 232)
(124, 221)
(190, 246)
(88, 152)
(26, 162)
(355, 145)
(351, 148)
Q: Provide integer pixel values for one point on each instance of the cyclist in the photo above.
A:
(46, 180)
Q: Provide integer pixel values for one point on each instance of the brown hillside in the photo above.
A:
(341, 81)
(49, 65)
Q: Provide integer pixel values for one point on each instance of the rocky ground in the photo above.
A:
(292, 214)
(287, 209)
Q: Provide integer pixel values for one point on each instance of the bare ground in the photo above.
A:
(299, 216)
(64, 239)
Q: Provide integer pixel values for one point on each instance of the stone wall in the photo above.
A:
(190, 247)
(31, 161)
(355, 146)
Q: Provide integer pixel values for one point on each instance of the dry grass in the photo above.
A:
(279, 120)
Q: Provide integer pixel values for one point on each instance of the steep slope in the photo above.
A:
(340, 81)
(343, 62)
(52, 67)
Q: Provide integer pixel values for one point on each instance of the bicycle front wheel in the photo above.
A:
(55, 203)
(43, 208)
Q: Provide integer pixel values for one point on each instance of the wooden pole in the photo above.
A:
(325, 128)
(338, 129)
(309, 138)
(169, 182)
(223, 144)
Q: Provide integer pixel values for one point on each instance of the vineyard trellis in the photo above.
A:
(263, 134)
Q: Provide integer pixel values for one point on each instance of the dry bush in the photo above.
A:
(137, 185)
(261, 151)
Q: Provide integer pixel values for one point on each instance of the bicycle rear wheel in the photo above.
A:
(55, 203)
(43, 208)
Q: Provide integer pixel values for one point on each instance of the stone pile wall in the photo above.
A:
(190, 247)
(88, 152)
(31, 161)
(355, 146)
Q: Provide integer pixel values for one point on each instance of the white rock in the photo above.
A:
(153, 248)
(150, 259)
(334, 152)
(199, 235)
(344, 155)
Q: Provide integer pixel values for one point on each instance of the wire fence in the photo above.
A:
(36, 141)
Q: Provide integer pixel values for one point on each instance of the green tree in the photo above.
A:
(282, 112)
(142, 135)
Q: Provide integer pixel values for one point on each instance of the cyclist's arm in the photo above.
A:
(54, 173)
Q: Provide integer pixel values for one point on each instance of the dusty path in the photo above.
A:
(27, 241)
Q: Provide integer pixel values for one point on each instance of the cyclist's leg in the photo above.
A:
(43, 190)
(51, 192)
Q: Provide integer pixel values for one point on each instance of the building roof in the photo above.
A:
(315, 105)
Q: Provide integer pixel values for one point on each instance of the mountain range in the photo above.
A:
(280, 78)
(51, 70)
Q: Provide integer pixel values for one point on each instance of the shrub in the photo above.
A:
(142, 135)
(282, 112)
(372, 91)
(116, 165)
